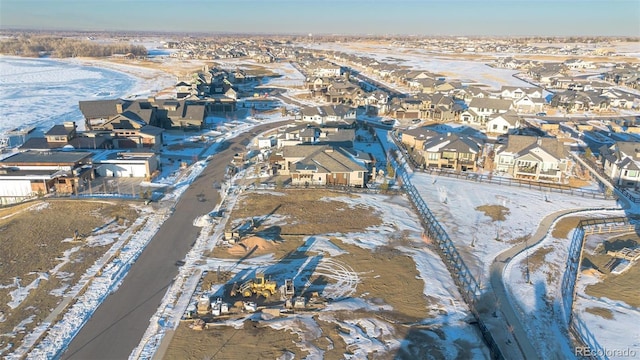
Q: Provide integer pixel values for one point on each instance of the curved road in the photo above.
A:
(497, 283)
(118, 325)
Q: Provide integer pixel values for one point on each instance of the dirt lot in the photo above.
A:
(387, 276)
(306, 212)
(31, 236)
(621, 287)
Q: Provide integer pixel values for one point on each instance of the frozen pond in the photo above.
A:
(45, 92)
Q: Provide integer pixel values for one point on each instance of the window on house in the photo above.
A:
(359, 175)
(632, 173)
(433, 156)
(448, 155)
(495, 126)
(504, 127)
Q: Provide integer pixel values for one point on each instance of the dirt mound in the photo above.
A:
(249, 244)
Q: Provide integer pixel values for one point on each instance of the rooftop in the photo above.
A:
(47, 157)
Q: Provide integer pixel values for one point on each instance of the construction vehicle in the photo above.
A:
(258, 286)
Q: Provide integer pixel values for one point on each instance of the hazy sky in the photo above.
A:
(420, 17)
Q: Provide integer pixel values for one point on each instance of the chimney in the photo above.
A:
(119, 108)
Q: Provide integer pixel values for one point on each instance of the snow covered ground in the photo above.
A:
(539, 299)
(478, 238)
(45, 92)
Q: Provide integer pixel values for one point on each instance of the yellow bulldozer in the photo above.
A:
(258, 286)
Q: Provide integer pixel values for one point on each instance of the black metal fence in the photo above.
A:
(464, 280)
(576, 325)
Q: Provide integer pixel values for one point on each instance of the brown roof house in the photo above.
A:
(315, 165)
(533, 158)
(458, 152)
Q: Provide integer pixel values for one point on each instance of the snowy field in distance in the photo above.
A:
(419, 59)
(46, 92)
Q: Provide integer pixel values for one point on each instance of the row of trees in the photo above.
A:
(36, 46)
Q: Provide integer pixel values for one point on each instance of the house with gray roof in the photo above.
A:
(30, 173)
(134, 114)
(621, 162)
(485, 107)
(319, 165)
(453, 151)
(533, 158)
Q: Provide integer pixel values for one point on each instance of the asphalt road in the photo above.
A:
(118, 325)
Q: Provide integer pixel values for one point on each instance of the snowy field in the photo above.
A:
(419, 59)
(454, 203)
(44, 92)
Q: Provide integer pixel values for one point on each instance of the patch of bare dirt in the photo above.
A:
(565, 225)
(253, 341)
(253, 243)
(495, 212)
(308, 212)
(602, 312)
(620, 287)
(31, 242)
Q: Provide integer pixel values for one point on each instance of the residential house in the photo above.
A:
(109, 114)
(528, 104)
(453, 151)
(147, 136)
(415, 138)
(340, 115)
(578, 64)
(621, 99)
(485, 107)
(546, 73)
(61, 134)
(533, 158)
(572, 100)
(181, 114)
(29, 173)
(503, 123)
(517, 92)
(621, 162)
(139, 164)
(307, 134)
(315, 165)
(342, 92)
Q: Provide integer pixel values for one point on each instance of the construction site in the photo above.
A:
(324, 283)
